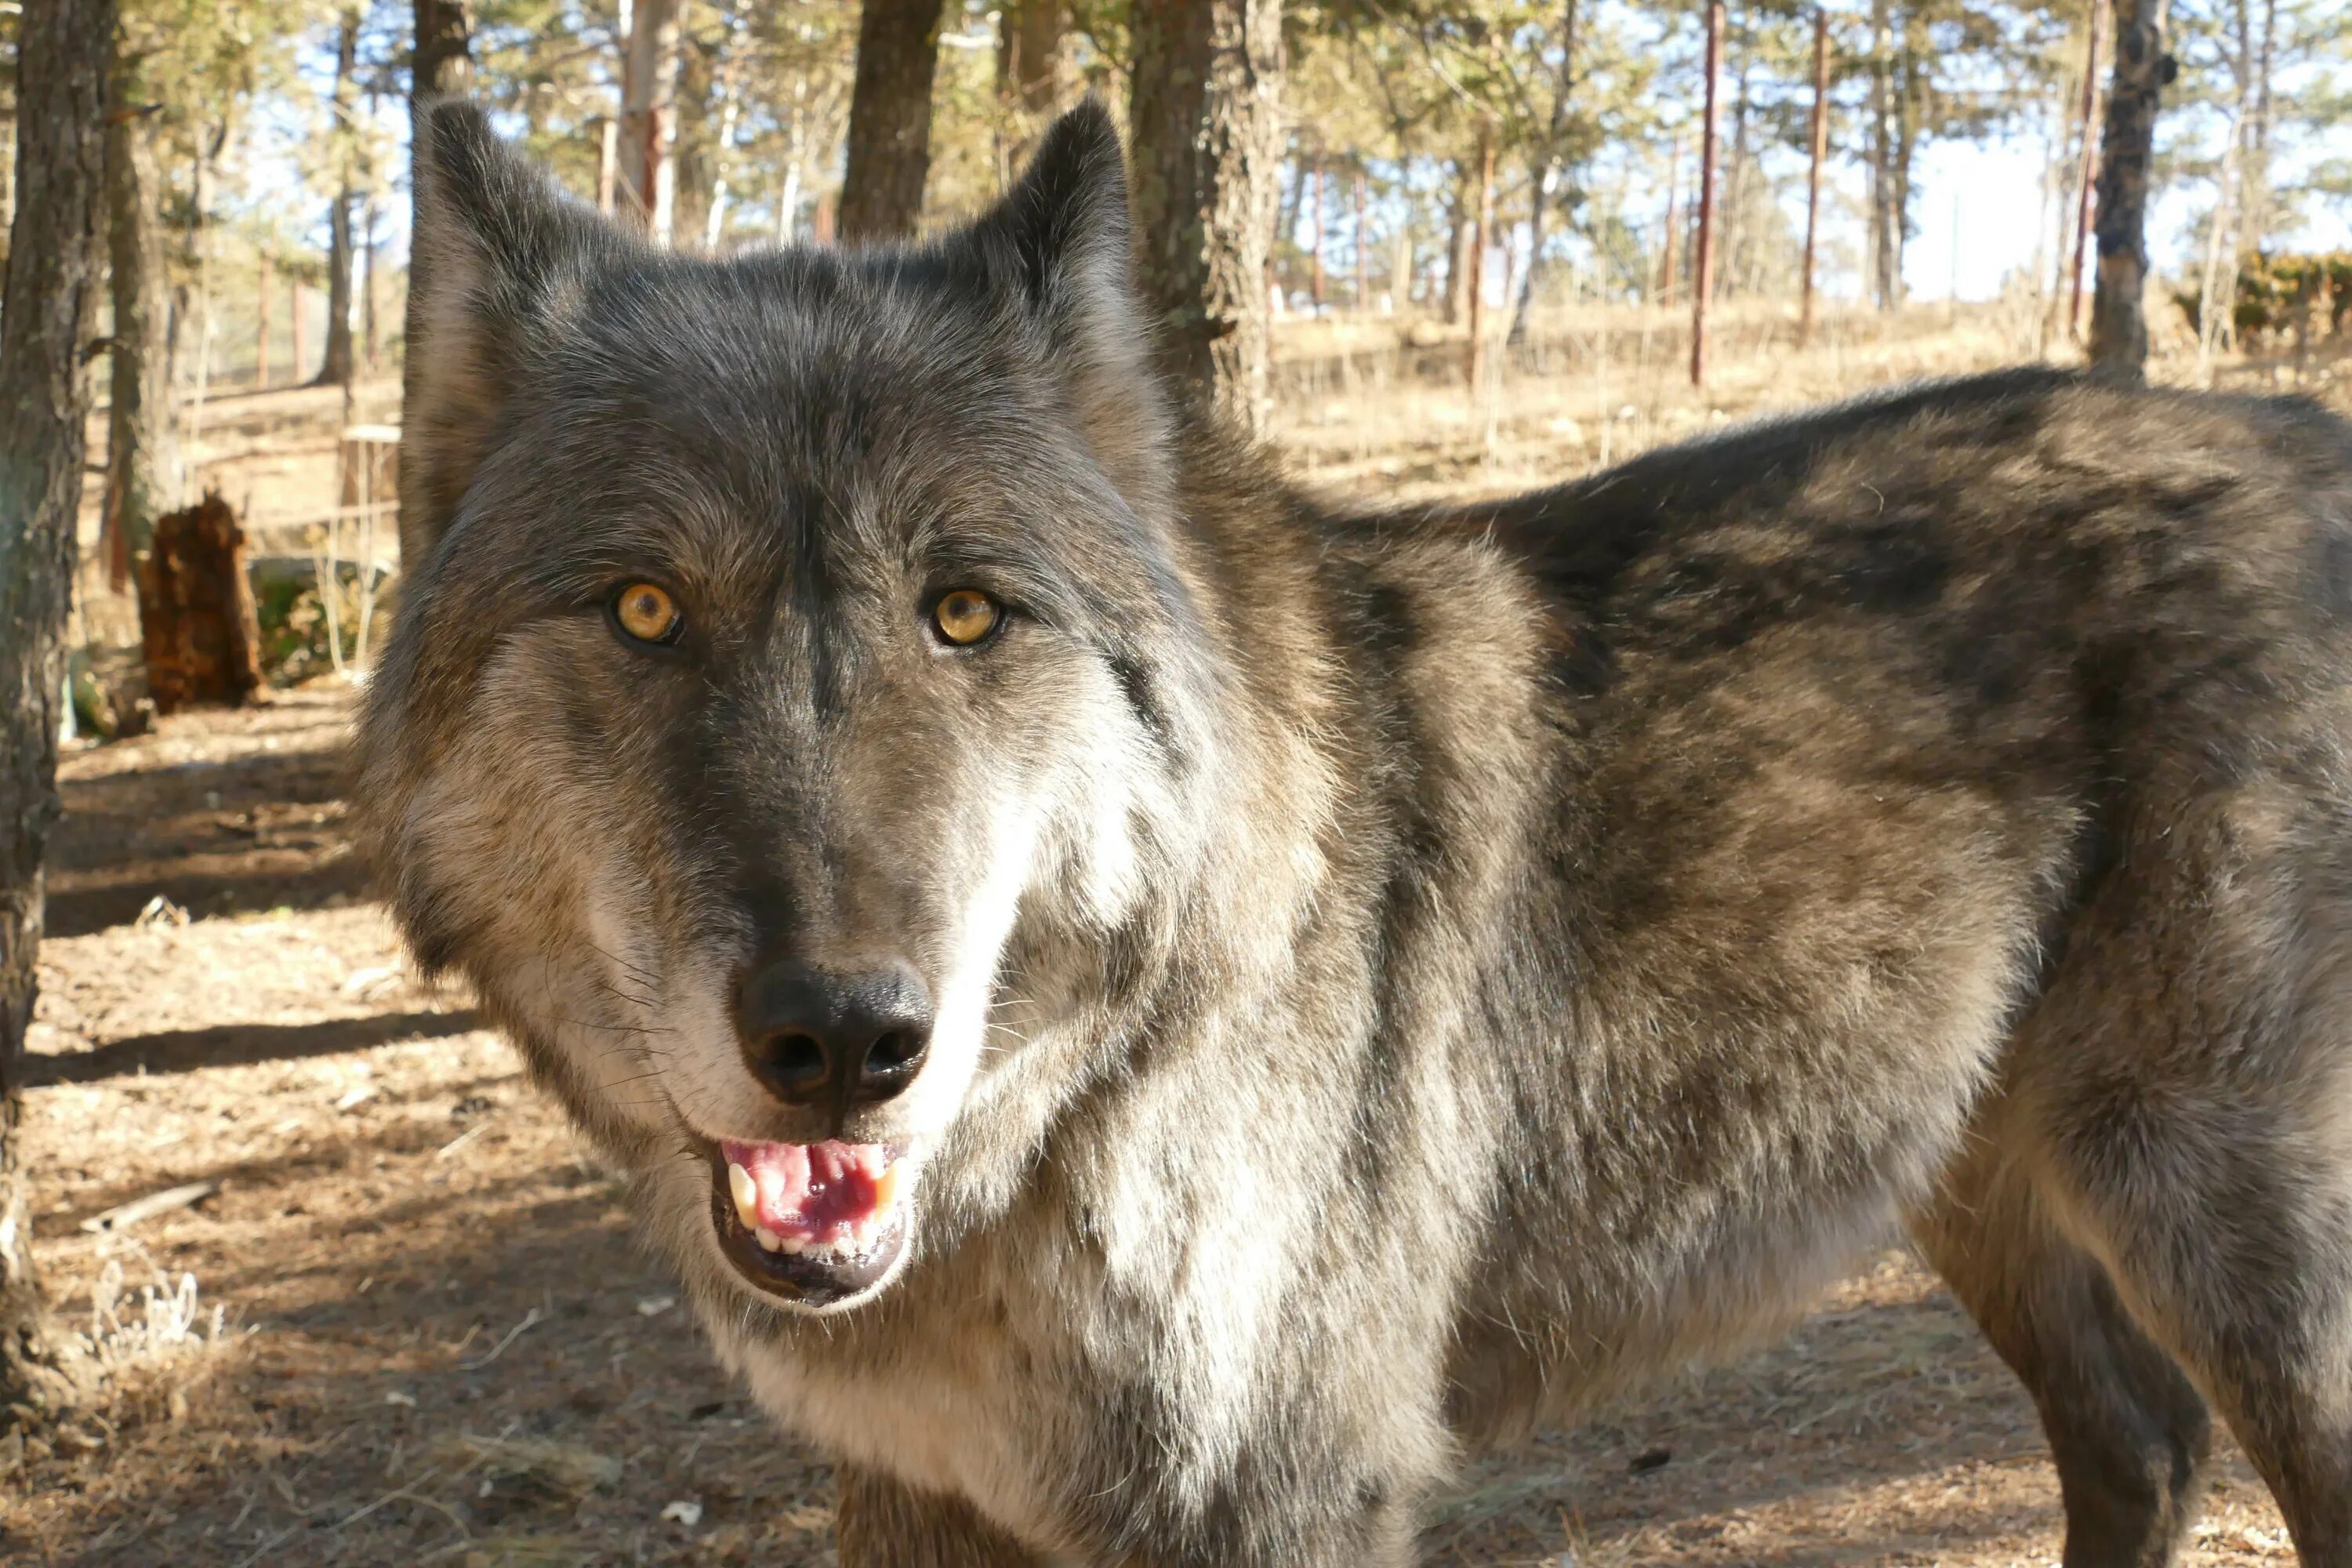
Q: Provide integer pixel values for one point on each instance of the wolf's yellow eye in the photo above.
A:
(647, 612)
(966, 615)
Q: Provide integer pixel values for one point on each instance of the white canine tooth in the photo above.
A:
(769, 1239)
(746, 1194)
(886, 1192)
(793, 1245)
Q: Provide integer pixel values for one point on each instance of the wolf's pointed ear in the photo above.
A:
(1061, 237)
(497, 257)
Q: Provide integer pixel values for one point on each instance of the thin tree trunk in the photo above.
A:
(444, 64)
(265, 285)
(51, 300)
(1547, 172)
(1029, 55)
(2087, 172)
(2256, 177)
(1818, 141)
(649, 120)
(1461, 216)
(2118, 328)
(730, 100)
(1357, 237)
(1703, 259)
(1667, 259)
(1882, 162)
(336, 367)
(200, 263)
(1206, 144)
(371, 344)
(890, 119)
(1315, 250)
(608, 162)
(1474, 360)
(142, 478)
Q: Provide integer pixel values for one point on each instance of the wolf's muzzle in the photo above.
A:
(833, 1040)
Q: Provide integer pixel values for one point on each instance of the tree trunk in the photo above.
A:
(335, 367)
(64, 47)
(1318, 201)
(1206, 140)
(730, 89)
(649, 122)
(1881, 262)
(1474, 361)
(444, 64)
(264, 286)
(2089, 165)
(1910, 123)
(198, 630)
(1547, 172)
(2118, 331)
(1818, 141)
(890, 119)
(371, 341)
(1667, 260)
(1356, 237)
(1029, 55)
(142, 470)
(1462, 216)
(1702, 255)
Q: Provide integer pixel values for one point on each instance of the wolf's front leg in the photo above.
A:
(882, 1523)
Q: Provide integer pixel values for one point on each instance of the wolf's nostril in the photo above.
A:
(895, 1049)
(795, 1066)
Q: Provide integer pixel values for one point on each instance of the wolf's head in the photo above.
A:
(789, 645)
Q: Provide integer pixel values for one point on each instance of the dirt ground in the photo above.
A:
(400, 1320)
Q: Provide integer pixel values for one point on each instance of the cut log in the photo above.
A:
(196, 622)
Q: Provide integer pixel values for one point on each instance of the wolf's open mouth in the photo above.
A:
(811, 1222)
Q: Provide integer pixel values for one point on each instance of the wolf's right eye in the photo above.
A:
(647, 612)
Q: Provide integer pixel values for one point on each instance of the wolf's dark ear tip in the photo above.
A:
(454, 131)
(1084, 144)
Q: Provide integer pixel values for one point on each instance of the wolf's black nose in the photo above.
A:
(825, 1037)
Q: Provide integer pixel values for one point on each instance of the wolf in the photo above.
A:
(1152, 1015)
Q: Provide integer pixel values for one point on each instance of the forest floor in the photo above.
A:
(405, 1322)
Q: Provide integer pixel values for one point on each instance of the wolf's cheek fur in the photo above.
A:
(520, 848)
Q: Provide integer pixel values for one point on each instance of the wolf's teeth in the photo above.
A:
(794, 1245)
(886, 1191)
(769, 1239)
(746, 1194)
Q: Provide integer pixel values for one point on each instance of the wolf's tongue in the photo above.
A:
(814, 1194)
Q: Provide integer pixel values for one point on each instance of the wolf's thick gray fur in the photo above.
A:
(1401, 978)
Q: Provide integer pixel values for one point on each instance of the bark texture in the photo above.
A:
(2118, 325)
(649, 120)
(1029, 55)
(196, 622)
(1206, 142)
(890, 119)
(142, 470)
(335, 368)
(444, 66)
(64, 51)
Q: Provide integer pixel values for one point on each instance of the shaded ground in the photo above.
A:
(439, 1345)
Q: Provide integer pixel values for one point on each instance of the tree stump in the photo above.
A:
(196, 622)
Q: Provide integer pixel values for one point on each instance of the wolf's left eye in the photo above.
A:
(647, 612)
(966, 615)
